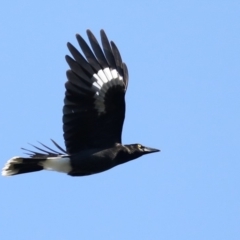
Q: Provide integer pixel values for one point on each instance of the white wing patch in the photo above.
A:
(104, 80)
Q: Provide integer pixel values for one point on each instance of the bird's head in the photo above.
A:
(137, 150)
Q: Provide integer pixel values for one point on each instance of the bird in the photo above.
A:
(93, 116)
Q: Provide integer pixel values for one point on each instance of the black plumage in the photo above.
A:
(93, 116)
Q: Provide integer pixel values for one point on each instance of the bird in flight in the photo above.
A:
(93, 116)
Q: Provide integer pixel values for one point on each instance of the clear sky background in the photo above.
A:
(183, 98)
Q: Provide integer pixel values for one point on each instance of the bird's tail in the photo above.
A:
(18, 165)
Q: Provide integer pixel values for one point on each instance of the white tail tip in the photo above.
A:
(8, 169)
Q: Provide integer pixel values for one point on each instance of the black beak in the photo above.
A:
(150, 150)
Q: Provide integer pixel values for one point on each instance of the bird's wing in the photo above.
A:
(94, 104)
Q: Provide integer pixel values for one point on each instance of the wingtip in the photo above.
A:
(78, 36)
(88, 31)
(103, 34)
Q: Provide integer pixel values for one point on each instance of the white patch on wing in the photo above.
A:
(114, 73)
(102, 75)
(96, 86)
(104, 80)
(108, 74)
(59, 164)
(97, 80)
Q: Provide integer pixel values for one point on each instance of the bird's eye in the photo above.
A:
(140, 147)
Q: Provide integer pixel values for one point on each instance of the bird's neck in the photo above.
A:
(124, 155)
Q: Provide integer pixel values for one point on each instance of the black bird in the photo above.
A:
(93, 115)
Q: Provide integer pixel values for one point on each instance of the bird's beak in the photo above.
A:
(150, 150)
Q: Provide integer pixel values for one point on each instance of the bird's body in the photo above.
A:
(93, 161)
(93, 116)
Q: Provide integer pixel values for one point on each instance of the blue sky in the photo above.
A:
(183, 97)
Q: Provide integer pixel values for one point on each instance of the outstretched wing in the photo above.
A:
(94, 104)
